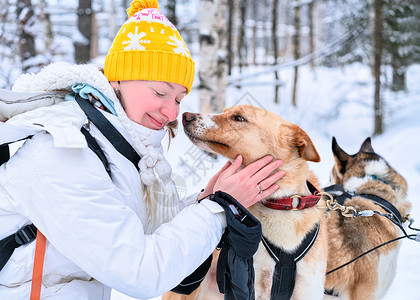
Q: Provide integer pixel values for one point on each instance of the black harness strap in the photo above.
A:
(8, 245)
(384, 204)
(4, 153)
(108, 130)
(340, 195)
(93, 145)
(284, 276)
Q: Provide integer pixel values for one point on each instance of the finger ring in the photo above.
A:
(261, 190)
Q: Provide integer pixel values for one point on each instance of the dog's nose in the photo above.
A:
(188, 117)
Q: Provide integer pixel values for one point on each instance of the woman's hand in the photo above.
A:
(249, 185)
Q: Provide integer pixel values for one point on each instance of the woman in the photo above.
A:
(127, 230)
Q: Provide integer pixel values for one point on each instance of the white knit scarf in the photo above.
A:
(161, 196)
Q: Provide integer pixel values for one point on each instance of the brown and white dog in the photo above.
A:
(364, 173)
(253, 133)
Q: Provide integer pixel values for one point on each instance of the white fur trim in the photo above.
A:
(62, 76)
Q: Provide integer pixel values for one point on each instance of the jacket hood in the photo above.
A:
(61, 76)
(29, 107)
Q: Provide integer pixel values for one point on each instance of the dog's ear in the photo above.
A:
(367, 146)
(304, 144)
(341, 157)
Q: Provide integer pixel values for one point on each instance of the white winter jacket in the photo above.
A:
(93, 222)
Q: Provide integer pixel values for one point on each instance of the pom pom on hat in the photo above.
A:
(138, 5)
(149, 47)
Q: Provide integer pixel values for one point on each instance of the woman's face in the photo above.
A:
(152, 104)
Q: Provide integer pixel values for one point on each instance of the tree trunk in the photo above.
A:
(213, 55)
(45, 16)
(275, 47)
(287, 52)
(255, 5)
(25, 17)
(266, 31)
(398, 74)
(112, 20)
(311, 30)
(222, 57)
(241, 35)
(171, 12)
(94, 40)
(231, 10)
(82, 43)
(125, 5)
(296, 50)
(378, 108)
(9, 54)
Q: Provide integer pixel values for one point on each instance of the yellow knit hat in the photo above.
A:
(149, 47)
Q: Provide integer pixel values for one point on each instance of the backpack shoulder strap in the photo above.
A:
(94, 146)
(23, 236)
(4, 153)
(5, 149)
(108, 130)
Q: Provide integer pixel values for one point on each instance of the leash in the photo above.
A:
(371, 250)
(349, 211)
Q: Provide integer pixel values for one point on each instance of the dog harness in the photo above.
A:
(295, 202)
(284, 275)
(340, 195)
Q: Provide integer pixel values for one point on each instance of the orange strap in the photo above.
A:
(38, 266)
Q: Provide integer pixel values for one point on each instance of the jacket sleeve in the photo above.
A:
(70, 198)
(190, 199)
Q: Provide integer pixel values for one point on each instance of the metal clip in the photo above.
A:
(406, 218)
(332, 204)
(296, 201)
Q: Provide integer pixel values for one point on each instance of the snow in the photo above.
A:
(331, 102)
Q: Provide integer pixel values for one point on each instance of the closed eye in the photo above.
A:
(160, 94)
(239, 118)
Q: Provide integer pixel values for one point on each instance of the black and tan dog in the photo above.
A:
(364, 173)
(254, 133)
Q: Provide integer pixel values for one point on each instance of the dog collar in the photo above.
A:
(295, 202)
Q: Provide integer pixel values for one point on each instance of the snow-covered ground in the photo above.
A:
(331, 102)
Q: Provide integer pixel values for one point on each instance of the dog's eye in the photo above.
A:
(238, 118)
